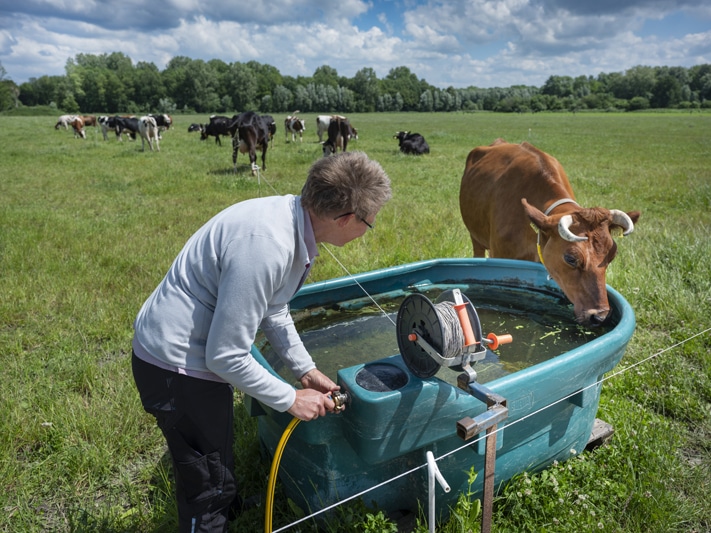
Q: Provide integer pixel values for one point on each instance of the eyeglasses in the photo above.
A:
(364, 221)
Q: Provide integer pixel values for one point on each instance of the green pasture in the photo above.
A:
(89, 227)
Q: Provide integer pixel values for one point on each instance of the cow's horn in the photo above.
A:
(621, 218)
(564, 230)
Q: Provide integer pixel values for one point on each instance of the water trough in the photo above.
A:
(394, 418)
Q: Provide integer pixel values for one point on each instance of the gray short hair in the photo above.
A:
(348, 182)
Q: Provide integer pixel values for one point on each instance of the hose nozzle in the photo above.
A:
(340, 399)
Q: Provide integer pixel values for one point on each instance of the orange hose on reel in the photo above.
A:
(466, 324)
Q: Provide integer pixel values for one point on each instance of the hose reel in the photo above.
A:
(445, 333)
(448, 333)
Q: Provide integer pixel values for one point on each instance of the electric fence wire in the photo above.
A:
(474, 441)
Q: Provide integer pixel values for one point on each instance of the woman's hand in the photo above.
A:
(317, 380)
(310, 404)
(315, 398)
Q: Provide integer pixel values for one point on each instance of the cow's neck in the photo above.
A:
(557, 203)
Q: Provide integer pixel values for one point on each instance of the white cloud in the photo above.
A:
(447, 42)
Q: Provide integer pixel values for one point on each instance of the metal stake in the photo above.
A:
(487, 508)
(496, 411)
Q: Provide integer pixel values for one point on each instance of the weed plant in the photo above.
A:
(89, 227)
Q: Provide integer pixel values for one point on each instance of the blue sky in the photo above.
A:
(459, 43)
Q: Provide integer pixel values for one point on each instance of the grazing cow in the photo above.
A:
(412, 143)
(339, 132)
(218, 125)
(78, 127)
(108, 123)
(195, 127)
(163, 121)
(322, 122)
(251, 132)
(271, 126)
(89, 120)
(64, 121)
(294, 125)
(148, 129)
(128, 125)
(507, 189)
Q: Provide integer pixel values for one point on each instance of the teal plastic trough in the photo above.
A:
(394, 418)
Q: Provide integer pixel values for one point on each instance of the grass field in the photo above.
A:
(89, 227)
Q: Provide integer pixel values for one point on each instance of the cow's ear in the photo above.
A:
(634, 215)
(537, 218)
(623, 223)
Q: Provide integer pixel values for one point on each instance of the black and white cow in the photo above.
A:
(251, 132)
(127, 125)
(196, 127)
(271, 126)
(163, 121)
(294, 125)
(108, 123)
(218, 125)
(339, 133)
(412, 143)
(322, 122)
(148, 130)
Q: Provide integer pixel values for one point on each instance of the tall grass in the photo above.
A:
(89, 227)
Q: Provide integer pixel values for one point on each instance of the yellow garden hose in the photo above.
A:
(268, 511)
(340, 399)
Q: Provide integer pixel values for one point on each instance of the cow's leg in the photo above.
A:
(235, 149)
(478, 248)
(253, 159)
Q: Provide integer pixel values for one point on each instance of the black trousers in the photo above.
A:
(196, 417)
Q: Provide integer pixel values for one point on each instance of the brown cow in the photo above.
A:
(507, 189)
(89, 120)
(78, 127)
(294, 125)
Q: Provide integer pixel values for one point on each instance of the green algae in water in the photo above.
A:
(345, 335)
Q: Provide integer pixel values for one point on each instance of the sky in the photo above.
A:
(457, 43)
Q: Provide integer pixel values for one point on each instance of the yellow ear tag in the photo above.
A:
(617, 232)
(538, 242)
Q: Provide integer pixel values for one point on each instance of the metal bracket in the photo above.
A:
(467, 428)
(471, 354)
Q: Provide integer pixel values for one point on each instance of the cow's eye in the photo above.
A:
(571, 260)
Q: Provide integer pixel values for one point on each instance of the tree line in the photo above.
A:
(111, 83)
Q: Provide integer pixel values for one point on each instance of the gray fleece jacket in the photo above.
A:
(234, 275)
